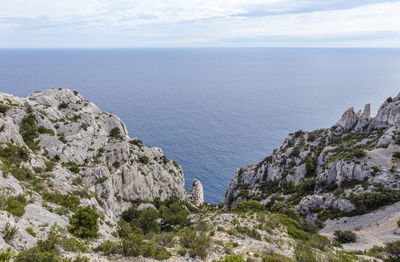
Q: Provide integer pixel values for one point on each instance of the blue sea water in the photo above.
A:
(212, 110)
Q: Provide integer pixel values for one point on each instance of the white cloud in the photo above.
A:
(198, 22)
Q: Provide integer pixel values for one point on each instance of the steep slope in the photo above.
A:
(59, 152)
(348, 169)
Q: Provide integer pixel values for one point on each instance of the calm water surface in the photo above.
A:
(212, 110)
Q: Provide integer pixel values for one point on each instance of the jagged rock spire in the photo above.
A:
(197, 192)
(349, 119)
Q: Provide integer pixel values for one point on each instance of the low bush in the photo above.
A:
(6, 255)
(3, 108)
(232, 258)
(115, 132)
(303, 253)
(198, 243)
(173, 214)
(10, 232)
(396, 154)
(44, 130)
(148, 221)
(71, 202)
(15, 205)
(393, 251)
(74, 168)
(84, 223)
(63, 105)
(144, 160)
(49, 165)
(345, 236)
(13, 155)
(30, 231)
(109, 248)
(29, 132)
(135, 245)
(248, 206)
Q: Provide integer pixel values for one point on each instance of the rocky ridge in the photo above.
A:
(59, 151)
(349, 169)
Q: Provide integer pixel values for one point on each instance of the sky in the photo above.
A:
(198, 23)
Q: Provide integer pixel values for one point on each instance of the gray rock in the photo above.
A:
(336, 169)
(197, 192)
(349, 119)
(114, 169)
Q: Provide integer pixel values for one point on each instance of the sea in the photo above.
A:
(212, 110)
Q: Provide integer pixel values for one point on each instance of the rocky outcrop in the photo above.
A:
(351, 120)
(351, 168)
(197, 192)
(56, 142)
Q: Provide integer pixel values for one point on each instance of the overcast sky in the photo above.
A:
(198, 23)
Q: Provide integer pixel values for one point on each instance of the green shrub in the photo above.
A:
(136, 142)
(182, 252)
(389, 100)
(345, 236)
(56, 158)
(276, 258)
(144, 160)
(13, 155)
(6, 255)
(393, 251)
(396, 154)
(44, 130)
(368, 201)
(10, 232)
(74, 168)
(84, 223)
(303, 253)
(30, 231)
(15, 205)
(115, 132)
(295, 152)
(3, 108)
(232, 258)
(35, 254)
(135, 245)
(198, 243)
(148, 221)
(72, 245)
(167, 239)
(63, 105)
(360, 153)
(174, 214)
(29, 132)
(22, 173)
(310, 166)
(398, 223)
(70, 201)
(49, 165)
(248, 206)
(320, 242)
(130, 214)
(109, 248)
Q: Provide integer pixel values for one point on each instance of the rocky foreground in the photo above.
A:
(75, 187)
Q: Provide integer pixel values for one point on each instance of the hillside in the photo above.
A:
(75, 187)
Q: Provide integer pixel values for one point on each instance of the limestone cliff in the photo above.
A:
(58, 151)
(349, 169)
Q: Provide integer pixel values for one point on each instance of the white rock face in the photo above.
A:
(93, 158)
(327, 168)
(349, 119)
(197, 192)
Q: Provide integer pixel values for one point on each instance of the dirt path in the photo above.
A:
(371, 229)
